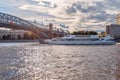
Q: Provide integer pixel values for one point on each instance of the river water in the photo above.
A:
(59, 62)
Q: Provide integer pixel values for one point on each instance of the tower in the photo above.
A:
(50, 30)
(50, 26)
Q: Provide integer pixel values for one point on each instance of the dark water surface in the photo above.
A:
(60, 62)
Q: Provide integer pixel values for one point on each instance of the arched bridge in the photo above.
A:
(44, 32)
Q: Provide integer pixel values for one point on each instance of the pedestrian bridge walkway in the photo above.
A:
(44, 31)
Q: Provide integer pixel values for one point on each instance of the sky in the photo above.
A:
(69, 14)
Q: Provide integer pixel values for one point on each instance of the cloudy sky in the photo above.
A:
(77, 14)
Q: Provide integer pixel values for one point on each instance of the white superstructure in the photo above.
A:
(81, 39)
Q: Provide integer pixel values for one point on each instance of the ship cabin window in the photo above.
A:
(82, 36)
(112, 40)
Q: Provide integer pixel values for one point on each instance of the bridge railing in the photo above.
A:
(9, 19)
(18, 22)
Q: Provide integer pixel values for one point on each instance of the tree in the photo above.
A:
(103, 34)
(18, 37)
(4, 37)
(84, 33)
(8, 37)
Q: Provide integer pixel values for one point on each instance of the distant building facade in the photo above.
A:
(13, 33)
(113, 30)
(118, 19)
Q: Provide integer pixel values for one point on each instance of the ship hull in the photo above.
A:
(81, 42)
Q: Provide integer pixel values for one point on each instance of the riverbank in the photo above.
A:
(14, 41)
(23, 43)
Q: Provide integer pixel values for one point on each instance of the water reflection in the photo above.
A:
(52, 62)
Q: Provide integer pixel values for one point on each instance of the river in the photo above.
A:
(34, 61)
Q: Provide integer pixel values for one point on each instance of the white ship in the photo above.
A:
(82, 40)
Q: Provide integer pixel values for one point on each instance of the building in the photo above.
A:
(118, 19)
(12, 33)
(113, 30)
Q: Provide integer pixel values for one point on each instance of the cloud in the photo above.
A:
(81, 14)
(25, 6)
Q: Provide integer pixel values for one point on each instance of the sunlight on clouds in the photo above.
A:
(34, 8)
(26, 6)
(79, 11)
(113, 11)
